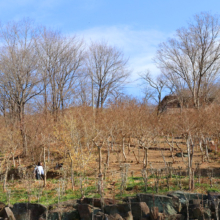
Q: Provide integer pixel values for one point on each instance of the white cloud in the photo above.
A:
(139, 45)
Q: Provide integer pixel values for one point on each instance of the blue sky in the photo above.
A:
(137, 27)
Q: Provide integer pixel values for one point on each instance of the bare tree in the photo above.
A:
(61, 59)
(193, 56)
(107, 68)
(18, 62)
(155, 87)
(20, 81)
(82, 91)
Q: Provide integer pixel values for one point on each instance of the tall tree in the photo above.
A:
(20, 81)
(107, 69)
(193, 56)
(61, 59)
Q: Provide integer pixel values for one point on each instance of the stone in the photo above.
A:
(9, 213)
(64, 214)
(197, 211)
(164, 203)
(183, 196)
(128, 216)
(131, 199)
(65, 211)
(175, 217)
(96, 202)
(200, 213)
(154, 213)
(23, 211)
(139, 210)
(2, 207)
(115, 216)
(122, 209)
(85, 211)
(212, 196)
(100, 216)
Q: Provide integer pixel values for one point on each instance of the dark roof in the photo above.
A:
(173, 101)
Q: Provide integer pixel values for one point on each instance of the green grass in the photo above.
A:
(135, 185)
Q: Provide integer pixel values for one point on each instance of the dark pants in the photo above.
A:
(38, 176)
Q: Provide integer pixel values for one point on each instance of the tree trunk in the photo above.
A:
(108, 156)
(45, 169)
(100, 160)
(5, 177)
(72, 172)
(145, 157)
(135, 157)
(123, 148)
(129, 145)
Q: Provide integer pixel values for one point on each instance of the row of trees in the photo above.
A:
(44, 67)
(53, 71)
(84, 141)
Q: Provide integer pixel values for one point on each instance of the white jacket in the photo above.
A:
(40, 170)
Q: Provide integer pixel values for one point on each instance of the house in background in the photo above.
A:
(175, 104)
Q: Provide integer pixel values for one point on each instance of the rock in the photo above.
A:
(101, 216)
(197, 210)
(115, 216)
(129, 216)
(122, 209)
(64, 214)
(131, 199)
(85, 211)
(185, 195)
(175, 217)
(96, 202)
(195, 202)
(9, 214)
(23, 211)
(200, 213)
(212, 197)
(2, 207)
(139, 210)
(154, 213)
(164, 203)
(65, 211)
